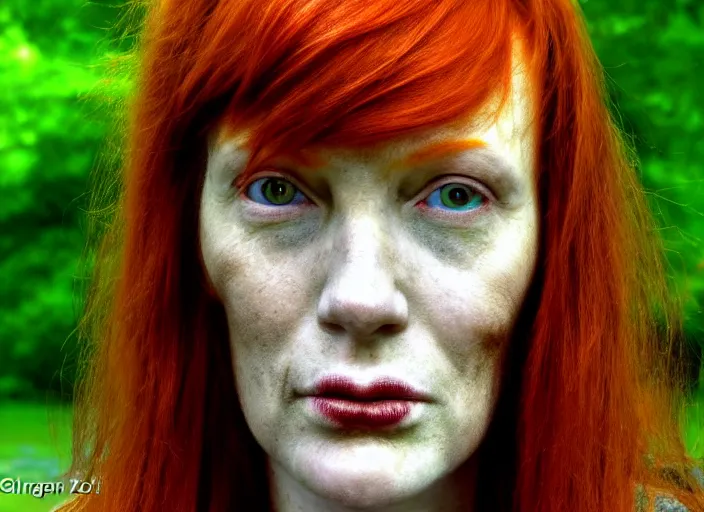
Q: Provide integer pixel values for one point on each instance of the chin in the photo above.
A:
(361, 485)
(360, 491)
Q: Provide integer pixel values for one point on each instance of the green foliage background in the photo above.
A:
(51, 128)
(53, 123)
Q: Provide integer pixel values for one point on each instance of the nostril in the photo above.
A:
(389, 329)
(332, 328)
(386, 329)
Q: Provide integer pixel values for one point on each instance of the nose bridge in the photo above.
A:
(361, 255)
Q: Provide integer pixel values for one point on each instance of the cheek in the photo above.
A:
(474, 310)
(262, 292)
(259, 324)
(473, 332)
(264, 303)
(472, 307)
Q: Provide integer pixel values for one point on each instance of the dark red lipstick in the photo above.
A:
(382, 403)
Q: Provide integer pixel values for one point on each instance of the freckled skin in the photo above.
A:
(310, 292)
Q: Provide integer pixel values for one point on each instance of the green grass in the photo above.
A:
(34, 447)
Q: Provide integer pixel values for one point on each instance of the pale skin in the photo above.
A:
(356, 277)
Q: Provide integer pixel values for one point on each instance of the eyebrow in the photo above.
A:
(437, 151)
(429, 153)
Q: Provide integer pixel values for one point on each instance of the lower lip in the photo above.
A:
(358, 414)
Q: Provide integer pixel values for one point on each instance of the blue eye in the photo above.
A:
(273, 191)
(456, 197)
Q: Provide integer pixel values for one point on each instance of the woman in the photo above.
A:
(378, 255)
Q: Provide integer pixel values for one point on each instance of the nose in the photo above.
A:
(360, 296)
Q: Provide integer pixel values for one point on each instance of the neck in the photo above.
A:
(453, 493)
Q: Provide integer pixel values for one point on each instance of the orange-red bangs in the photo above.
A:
(301, 73)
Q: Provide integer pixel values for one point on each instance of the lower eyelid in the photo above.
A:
(457, 217)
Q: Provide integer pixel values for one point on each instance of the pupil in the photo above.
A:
(459, 195)
(279, 189)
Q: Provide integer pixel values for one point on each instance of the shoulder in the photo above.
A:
(667, 504)
(664, 502)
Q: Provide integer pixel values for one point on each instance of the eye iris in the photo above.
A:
(456, 196)
(278, 191)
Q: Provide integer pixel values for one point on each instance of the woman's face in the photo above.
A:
(372, 269)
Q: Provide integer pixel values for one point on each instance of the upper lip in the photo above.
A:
(379, 389)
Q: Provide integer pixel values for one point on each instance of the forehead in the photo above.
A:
(509, 129)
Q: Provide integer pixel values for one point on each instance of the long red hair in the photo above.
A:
(593, 381)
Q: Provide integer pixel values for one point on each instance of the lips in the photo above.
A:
(387, 388)
(383, 403)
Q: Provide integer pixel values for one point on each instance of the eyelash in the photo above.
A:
(473, 191)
